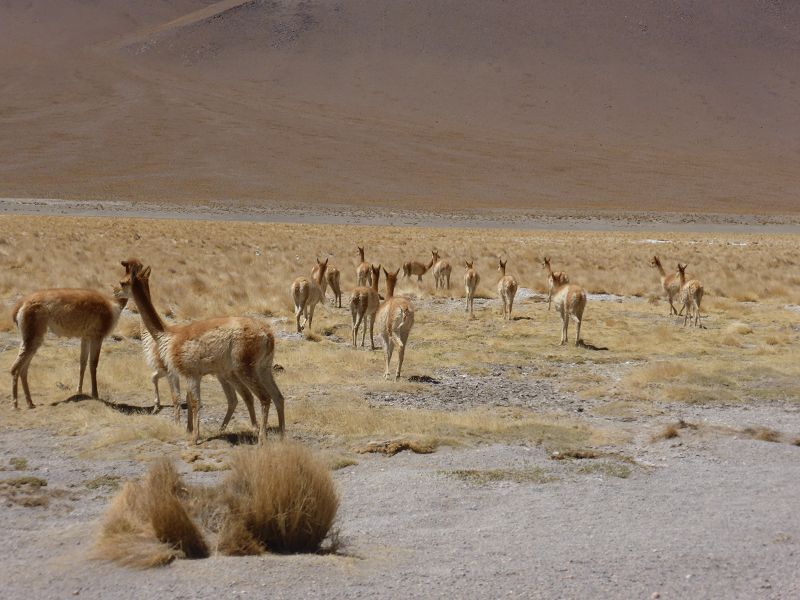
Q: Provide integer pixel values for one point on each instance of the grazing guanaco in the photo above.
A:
(363, 271)
(395, 319)
(570, 301)
(690, 296)
(416, 268)
(67, 312)
(670, 282)
(441, 271)
(307, 294)
(364, 303)
(238, 350)
(334, 280)
(471, 281)
(554, 279)
(506, 289)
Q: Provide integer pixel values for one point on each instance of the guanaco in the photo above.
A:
(417, 268)
(363, 271)
(395, 318)
(671, 283)
(364, 303)
(158, 368)
(690, 296)
(307, 294)
(332, 278)
(471, 281)
(67, 312)
(554, 279)
(238, 350)
(570, 301)
(441, 271)
(506, 289)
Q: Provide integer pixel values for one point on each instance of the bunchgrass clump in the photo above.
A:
(277, 498)
(280, 498)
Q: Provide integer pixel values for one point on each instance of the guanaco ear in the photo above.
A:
(396, 273)
(385, 272)
(145, 274)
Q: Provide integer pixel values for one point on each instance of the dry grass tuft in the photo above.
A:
(573, 454)
(484, 476)
(392, 447)
(669, 432)
(764, 434)
(147, 524)
(279, 498)
(609, 469)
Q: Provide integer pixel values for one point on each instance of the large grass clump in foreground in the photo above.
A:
(277, 498)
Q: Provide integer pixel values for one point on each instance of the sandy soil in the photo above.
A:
(710, 513)
(684, 106)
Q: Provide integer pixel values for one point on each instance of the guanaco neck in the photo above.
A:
(430, 264)
(502, 269)
(390, 283)
(320, 274)
(682, 275)
(661, 270)
(361, 254)
(150, 318)
(375, 276)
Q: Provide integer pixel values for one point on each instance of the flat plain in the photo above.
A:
(656, 458)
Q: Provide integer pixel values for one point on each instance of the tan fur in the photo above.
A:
(554, 280)
(364, 302)
(471, 281)
(506, 289)
(238, 350)
(77, 313)
(363, 271)
(306, 294)
(332, 278)
(395, 318)
(570, 301)
(416, 268)
(670, 283)
(158, 368)
(441, 272)
(690, 296)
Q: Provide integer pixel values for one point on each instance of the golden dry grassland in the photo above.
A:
(746, 354)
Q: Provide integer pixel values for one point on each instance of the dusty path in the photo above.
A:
(711, 518)
(354, 215)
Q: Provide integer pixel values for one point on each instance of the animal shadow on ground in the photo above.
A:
(522, 318)
(237, 438)
(424, 379)
(589, 346)
(121, 407)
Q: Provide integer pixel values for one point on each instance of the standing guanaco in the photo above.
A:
(671, 283)
(506, 289)
(395, 319)
(416, 268)
(570, 301)
(441, 271)
(471, 281)
(364, 303)
(307, 294)
(690, 296)
(363, 271)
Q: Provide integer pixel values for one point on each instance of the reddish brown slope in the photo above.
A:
(683, 106)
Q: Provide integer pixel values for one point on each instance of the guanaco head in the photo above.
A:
(130, 263)
(391, 281)
(546, 263)
(654, 262)
(502, 266)
(321, 268)
(682, 271)
(361, 252)
(376, 274)
(435, 255)
(138, 274)
(468, 264)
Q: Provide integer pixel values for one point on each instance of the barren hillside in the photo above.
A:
(521, 104)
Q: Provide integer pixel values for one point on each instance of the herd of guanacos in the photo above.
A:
(239, 351)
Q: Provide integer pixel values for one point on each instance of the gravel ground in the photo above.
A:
(705, 515)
